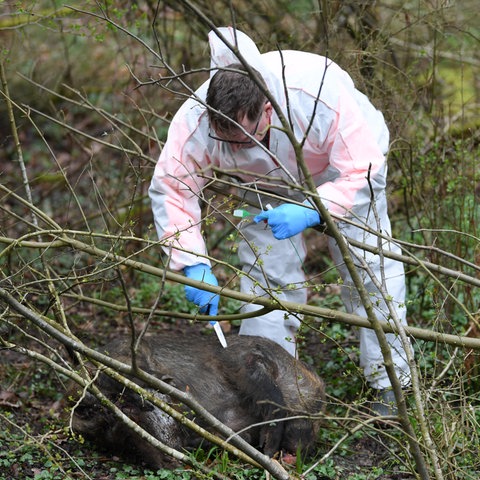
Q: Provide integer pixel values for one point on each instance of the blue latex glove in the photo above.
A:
(207, 301)
(289, 219)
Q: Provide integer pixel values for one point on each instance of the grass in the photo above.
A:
(51, 454)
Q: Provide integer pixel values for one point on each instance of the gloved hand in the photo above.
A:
(207, 301)
(289, 219)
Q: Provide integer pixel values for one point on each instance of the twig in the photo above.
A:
(268, 303)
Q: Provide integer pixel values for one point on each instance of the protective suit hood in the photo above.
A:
(222, 55)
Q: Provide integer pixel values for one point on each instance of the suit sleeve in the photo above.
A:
(176, 187)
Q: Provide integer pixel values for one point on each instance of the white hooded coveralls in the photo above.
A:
(346, 143)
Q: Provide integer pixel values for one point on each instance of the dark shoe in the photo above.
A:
(384, 403)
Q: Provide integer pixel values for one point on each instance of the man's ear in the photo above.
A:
(268, 109)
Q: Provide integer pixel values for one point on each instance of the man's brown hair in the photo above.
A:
(233, 93)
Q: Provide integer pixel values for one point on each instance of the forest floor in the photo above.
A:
(35, 442)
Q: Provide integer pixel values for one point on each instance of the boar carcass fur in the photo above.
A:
(253, 380)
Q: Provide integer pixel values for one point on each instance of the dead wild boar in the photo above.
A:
(253, 380)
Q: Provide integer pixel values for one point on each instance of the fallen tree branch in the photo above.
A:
(269, 303)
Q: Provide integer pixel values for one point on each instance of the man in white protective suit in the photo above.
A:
(230, 124)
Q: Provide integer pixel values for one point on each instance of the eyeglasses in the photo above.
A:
(237, 142)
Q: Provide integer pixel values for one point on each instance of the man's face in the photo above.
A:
(258, 129)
